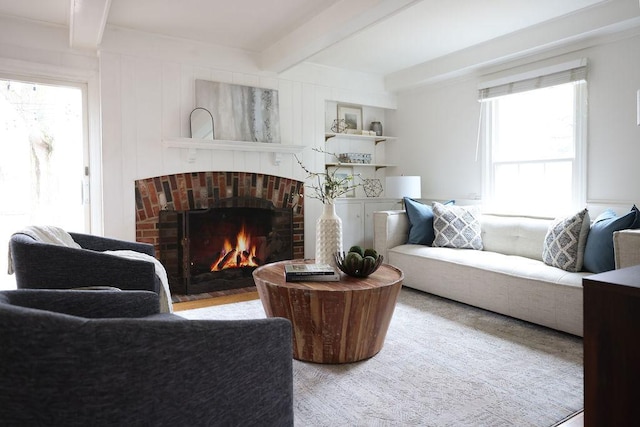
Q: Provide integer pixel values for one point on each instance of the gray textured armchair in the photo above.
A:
(108, 358)
(40, 265)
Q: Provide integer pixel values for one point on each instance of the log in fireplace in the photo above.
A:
(206, 250)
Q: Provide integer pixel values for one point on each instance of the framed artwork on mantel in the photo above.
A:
(240, 113)
(352, 115)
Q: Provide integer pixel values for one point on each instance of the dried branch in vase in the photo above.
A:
(329, 185)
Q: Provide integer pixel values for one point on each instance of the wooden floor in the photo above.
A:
(208, 302)
(575, 421)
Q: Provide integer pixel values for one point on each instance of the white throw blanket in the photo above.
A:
(166, 305)
(58, 236)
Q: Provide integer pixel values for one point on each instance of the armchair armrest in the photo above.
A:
(626, 248)
(88, 304)
(390, 229)
(99, 243)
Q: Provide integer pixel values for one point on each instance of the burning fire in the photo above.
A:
(242, 255)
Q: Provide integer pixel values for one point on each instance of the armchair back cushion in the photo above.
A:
(61, 369)
(39, 265)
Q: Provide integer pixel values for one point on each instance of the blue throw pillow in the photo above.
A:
(598, 254)
(636, 223)
(420, 222)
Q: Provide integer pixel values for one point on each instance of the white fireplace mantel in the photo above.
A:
(193, 144)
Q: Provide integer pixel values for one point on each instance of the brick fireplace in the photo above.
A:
(176, 197)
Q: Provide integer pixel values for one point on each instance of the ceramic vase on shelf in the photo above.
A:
(376, 127)
(328, 235)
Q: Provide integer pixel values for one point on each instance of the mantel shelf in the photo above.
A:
(193, 144)
(222, 144)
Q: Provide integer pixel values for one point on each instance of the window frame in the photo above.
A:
(89, 79)
(579, 161)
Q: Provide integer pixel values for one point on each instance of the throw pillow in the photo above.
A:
(598, 253)
(456, 227)
(420, 222)
(636, 223)
(565, 241)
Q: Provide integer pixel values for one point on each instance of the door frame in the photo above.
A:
(88, 82)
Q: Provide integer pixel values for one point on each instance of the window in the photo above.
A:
(534, 144)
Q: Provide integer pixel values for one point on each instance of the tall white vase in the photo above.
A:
(328, 235)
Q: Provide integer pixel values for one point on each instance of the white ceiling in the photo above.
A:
(374, 36)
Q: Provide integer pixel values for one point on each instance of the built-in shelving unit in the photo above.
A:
(356, 208)
(374, 147)
(194, 144)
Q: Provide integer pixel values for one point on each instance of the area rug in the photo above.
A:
(442, 364)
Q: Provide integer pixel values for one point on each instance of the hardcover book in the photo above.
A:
(299, 270)
(314, 278)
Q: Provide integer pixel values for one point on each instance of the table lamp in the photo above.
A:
(398, 187)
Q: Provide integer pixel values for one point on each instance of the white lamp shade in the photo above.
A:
(398, 187)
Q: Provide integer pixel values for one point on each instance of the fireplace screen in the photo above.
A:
(218, 248)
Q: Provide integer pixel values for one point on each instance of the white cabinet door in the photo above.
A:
(357, 220)
(351, 212)
(369, 209)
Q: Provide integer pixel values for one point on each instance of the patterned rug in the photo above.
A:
(443, 364)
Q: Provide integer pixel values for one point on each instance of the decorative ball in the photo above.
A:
(358, 262)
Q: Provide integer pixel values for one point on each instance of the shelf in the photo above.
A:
(193, 144)
(221, 144)
(366, 165)
(376, 139)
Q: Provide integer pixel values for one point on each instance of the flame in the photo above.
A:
(243, 254)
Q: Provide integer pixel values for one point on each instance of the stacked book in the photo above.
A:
(310, 273)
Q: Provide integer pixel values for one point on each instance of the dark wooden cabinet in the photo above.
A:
(612, 348)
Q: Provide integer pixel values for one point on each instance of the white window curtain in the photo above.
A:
(576, 71)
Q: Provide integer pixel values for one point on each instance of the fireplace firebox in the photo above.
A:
(218, 248)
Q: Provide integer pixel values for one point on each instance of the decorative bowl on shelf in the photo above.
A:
(357, 262)
(364, 158)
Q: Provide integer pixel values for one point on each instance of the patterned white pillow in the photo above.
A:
(456, 227)
(565, 242)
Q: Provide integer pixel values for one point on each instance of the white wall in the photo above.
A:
(148, 91)
(146, 86)
(142, 89)
(437, 128)
(437, 125)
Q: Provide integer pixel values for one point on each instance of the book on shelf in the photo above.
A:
(314, 278)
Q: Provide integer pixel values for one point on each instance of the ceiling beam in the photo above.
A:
(342, 19)
(605, 18)
(87, 21)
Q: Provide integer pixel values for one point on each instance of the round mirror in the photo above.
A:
(201, 124)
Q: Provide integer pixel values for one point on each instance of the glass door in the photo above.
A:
(44, 172)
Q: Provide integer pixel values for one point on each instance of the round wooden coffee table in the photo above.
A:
(333, 322)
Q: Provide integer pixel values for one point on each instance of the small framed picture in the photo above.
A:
(342, 174)
(352, 115)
